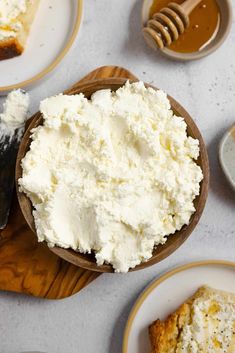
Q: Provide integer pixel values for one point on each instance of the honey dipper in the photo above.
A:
(166, 26)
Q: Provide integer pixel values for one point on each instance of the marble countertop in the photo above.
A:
(94, 319)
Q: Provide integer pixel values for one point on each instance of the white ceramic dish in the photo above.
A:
(53, 32)
(165, 294)
(227, 155)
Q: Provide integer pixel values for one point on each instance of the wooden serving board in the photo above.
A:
(29, 267)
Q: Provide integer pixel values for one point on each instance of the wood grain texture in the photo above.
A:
(87, 261)
(31, 268)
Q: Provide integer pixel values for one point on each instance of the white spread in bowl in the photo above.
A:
(115, 174)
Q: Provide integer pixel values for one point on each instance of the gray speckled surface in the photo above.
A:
(94, 320)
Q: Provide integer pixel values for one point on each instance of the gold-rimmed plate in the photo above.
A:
(165, 294)
(53, 32)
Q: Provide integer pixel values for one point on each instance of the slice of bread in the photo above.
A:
(12, 46)
(204, 323)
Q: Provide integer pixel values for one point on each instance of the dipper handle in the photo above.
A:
(189, 5)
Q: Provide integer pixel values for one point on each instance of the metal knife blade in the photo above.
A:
(8, 151)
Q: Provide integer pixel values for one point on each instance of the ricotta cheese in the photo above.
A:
(114, 174)
(212, 327)
(10, 10)
(13, 117)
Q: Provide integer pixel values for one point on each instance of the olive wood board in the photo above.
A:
(29, 267)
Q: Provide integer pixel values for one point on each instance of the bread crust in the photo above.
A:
(164, 335)
(14, 46)
(10, 48)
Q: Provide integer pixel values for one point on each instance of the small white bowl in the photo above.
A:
(227, 154)
(224, 29)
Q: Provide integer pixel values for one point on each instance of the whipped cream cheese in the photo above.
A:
(115, 174)
(212, 327)
(10, 10)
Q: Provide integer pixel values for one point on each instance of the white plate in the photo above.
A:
(53, 32)
(167, 293)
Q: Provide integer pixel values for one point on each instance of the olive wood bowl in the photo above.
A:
(175, 240)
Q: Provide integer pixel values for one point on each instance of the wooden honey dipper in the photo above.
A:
(166, 26)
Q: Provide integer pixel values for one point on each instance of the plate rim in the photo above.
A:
(155, 283)
(54, 63)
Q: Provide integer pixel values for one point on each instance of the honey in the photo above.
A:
(204, 25)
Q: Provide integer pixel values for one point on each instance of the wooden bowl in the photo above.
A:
(174, 241)
(223, 31)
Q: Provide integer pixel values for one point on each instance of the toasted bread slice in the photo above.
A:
(205, 323)
(14, 45)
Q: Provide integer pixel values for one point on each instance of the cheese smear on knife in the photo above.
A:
(13, 117)
(115, 174)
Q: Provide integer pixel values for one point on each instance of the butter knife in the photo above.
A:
(8, 151)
